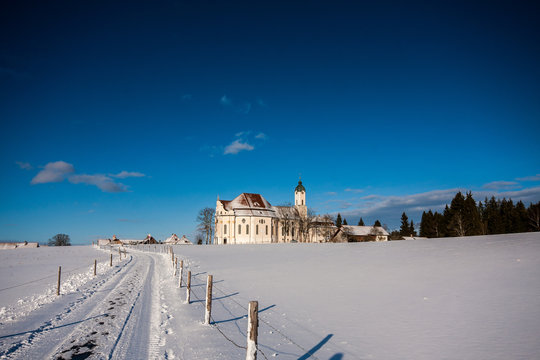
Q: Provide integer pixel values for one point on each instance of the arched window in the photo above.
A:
(256, 229)
(247, 229)
(239, 229)
(225, 228)
(266, 229)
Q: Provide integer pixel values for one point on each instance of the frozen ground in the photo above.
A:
(460, 298)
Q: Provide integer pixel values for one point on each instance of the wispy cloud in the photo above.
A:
(24, 165)
(530, 178)
(134, 221)
(59, 171)
(261, 136)
(331, 193)
(356, 191)
(236, 146)
(501, 185)
(225, 101)
(103, 182)
(53, 172)
(389, 208)
(186, 97)
(243, 107)
(260, 102)
(126, 174)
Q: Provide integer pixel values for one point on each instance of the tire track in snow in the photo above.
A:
(37, 341)
(113, 336)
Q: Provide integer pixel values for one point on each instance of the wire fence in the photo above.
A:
(214, 324)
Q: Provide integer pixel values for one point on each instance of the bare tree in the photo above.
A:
(306, 224)
(205, 221)
(59, 240)
(457, 225)
(534, 216)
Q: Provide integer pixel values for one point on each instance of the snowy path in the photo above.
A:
(107, 318)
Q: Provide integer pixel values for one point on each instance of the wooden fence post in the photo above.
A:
(181, 273)
(111, 261)
(188, 288)
(208, 311)
(253, 324)
(58, 285)
(119, 253)
(175, 265)
(95, 267)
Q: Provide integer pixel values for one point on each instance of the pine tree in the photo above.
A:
(405, 229)
(412, 229)
(338, 220)
(377, 223)
(361, 222)
(520, 217)
(471, 217)
(345, 221)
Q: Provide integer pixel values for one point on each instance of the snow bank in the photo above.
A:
(456, 298)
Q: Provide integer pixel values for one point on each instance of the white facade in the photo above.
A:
(251, 219)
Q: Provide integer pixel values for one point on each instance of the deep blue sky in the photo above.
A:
(382, 107)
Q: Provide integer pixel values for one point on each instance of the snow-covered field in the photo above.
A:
(458, 298)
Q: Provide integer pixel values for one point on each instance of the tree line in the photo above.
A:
(466, 217)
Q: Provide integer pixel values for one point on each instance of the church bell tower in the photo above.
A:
(300, 198)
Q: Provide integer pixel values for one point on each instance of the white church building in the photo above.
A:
(251, 219)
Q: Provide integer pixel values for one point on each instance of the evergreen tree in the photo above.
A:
(493, 217)
(438, 224)
(520, 217)
(457, 223)
(404, 229)
(338, 220)
(471, 217)
(377, 223)
(345, 221)
(424, 223)
(361, 222)
(412, 231)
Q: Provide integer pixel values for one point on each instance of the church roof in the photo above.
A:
(300, 187)
(247, 201)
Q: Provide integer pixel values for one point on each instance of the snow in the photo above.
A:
(458, 298)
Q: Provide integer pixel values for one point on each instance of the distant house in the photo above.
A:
(414, 238)
(18, 245)
(175, 240)
(350, 233)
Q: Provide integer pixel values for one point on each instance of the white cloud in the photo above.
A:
(261, 136)
(236, 146)
(501, 185)
(103, 182)
(24, 165)
(53, 172)
(530, 178)
(225, 100)
(354, 190)
(126, 174)
(58, 171)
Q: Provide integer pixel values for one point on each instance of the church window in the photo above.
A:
(256, 229)
(239, 229)
(225, 228)
(292, 231)
(266, 229)
(302, 202)
(282, 231)
(247, 229)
